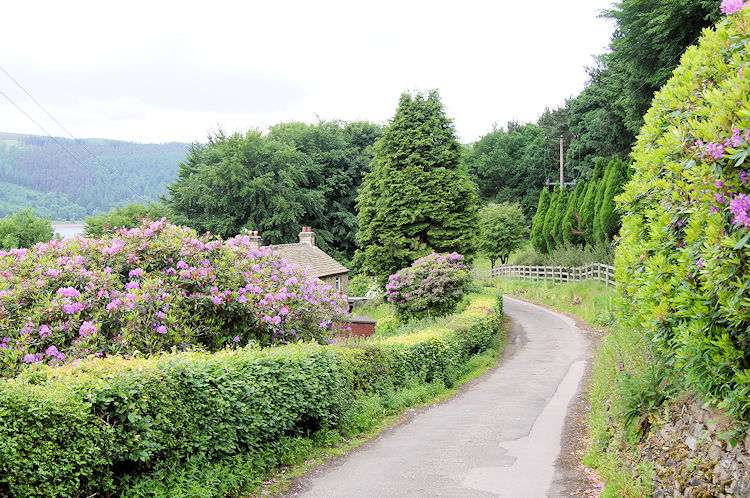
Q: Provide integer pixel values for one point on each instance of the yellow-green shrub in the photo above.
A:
(682, 266)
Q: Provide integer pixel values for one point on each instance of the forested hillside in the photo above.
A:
(36, 172)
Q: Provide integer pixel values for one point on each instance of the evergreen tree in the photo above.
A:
(549, 221)
(587, 211)
(562, 205)
(611, 169)
(417, 198)
(244, 181)
(537, 224)
(609, 218)
(570, 223)
(600, 165)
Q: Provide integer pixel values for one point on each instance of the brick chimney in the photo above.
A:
(306, 236)
(255, 239)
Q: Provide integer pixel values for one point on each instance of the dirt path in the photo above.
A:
(499, 437)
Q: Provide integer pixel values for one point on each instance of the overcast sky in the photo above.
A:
(161, 71)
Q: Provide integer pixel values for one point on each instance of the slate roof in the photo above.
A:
(302, 254)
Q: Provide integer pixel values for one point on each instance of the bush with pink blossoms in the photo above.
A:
(683, 272)
(431, 287)
(154, 288)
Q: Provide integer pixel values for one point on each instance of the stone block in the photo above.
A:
(697, 429)
(691, 442)
(714, 452)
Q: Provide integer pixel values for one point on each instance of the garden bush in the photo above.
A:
(24, 229)
(432, 286)
(125, 420)
(682, 266)
(150, 289)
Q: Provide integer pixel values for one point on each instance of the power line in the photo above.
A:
(66, 131)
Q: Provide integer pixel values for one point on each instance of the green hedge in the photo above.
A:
(93, 426)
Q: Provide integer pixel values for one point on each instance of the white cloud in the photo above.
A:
(160, 71)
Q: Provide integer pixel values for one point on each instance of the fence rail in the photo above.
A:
(557, 274)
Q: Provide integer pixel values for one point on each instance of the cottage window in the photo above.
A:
(338, 284)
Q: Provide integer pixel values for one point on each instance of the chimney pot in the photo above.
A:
(255, 240)
(307, 236)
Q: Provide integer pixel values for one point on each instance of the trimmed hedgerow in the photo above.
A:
(682, 262)
(99, 425)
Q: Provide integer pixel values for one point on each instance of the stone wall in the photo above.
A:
(689, 447)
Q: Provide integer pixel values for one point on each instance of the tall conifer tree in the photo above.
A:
(549, 220)
(537, 224)
(417, 198)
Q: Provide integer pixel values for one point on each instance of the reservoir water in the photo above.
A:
(68, 230)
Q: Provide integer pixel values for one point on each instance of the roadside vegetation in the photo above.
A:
(153, 361)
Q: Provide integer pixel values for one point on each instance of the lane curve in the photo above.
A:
(500, 437)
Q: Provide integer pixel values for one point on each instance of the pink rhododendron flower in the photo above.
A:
(739, 206)
(87, 328)
(68, 292)
(44, 331)
(72, 308)
(730, 7)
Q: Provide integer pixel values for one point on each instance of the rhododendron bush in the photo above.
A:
(432, 286)
(682, 263)
(151, 289)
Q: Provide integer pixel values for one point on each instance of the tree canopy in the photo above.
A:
(509, 166)
(418, 198)
(24, 229)
(298, 175)
(502, 230)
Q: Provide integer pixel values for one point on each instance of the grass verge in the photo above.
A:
(591, 301)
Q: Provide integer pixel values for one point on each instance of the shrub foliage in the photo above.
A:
(150, 289)
(682, 264)
(24, 229)
(432, 286)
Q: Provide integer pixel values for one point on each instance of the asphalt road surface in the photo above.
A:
(500, 437)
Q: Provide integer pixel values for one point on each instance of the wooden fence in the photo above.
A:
(556, 274)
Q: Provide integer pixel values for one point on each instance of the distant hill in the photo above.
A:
(37, 173)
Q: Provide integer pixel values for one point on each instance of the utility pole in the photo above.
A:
(562, 180)
(562, 166)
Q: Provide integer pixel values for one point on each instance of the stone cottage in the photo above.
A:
(307, 255)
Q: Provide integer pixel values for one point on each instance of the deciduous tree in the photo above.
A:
(502, 230)
(24, 229)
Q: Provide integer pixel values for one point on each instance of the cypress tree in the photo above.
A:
(417, 198)
(549, 221)
(537, 223)
(570, 223)
(600, 166)
(609, 218)
(562, 206)
(611, 169)
(587, 212)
